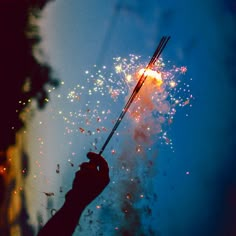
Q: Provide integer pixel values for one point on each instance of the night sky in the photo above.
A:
(189, 189)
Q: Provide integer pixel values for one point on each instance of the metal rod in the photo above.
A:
(151, 63)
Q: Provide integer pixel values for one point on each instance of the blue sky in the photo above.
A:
(79, 34)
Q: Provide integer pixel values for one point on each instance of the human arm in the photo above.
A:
(89, 182)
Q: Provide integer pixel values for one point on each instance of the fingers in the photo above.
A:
(93, 156)
(99, 161)
(87, 166)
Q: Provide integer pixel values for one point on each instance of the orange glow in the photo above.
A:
(2, 169)
(152, 75)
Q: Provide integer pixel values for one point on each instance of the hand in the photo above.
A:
(89, 181)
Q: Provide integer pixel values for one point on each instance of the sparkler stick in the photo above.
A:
(138, 86)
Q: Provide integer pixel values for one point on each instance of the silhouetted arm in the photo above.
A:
(89, 182)
(63, 223)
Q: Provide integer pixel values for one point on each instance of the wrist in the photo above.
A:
(73, 203)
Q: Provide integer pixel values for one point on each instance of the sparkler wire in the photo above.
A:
(143, 77)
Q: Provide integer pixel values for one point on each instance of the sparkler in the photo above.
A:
(138, 86)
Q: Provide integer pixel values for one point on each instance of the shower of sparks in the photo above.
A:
(145, 73)
(89, 111)
(101, 94)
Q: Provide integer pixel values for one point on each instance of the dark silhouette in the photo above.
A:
(23, 76)
(89, 182)
(24, 79)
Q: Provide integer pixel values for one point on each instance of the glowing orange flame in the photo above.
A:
(152, 75)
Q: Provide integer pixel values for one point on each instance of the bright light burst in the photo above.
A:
(89, 112)
(100, 96)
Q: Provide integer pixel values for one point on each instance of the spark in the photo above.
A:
(138, 86)
(118, 68)
(183, 69)
(164, 91)
(172, 83)
(128, 78)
